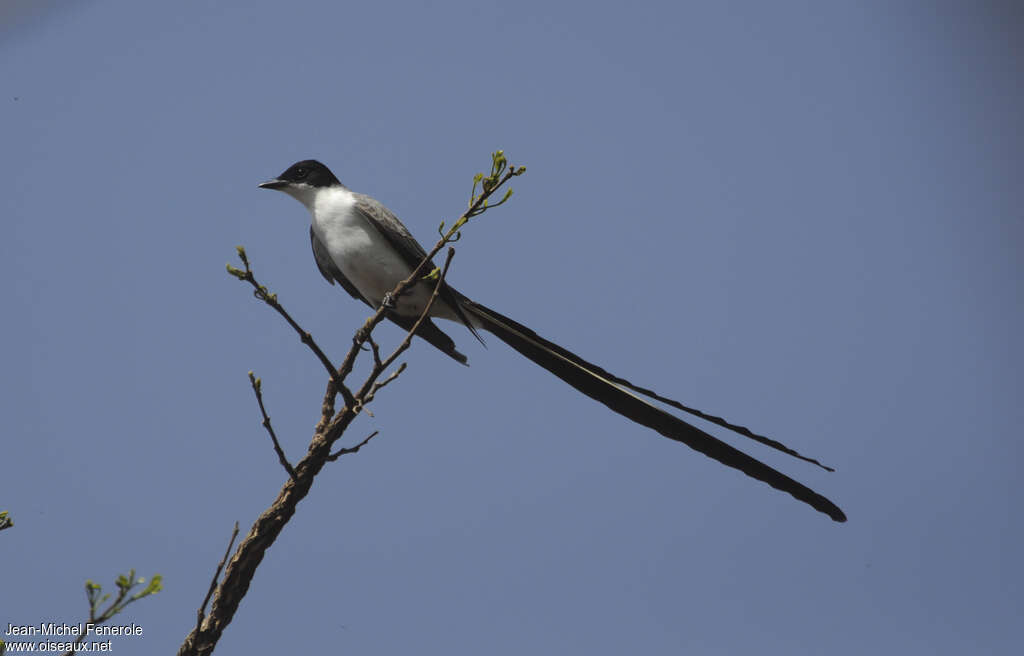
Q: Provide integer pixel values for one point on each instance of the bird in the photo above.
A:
(361, 245)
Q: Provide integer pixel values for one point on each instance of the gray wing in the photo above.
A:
(330, 271)
(402, 241)
(392, 229)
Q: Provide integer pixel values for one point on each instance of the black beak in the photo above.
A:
(274, 184)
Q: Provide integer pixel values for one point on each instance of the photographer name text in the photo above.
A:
(85, 629)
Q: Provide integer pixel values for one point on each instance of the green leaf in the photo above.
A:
(156, 584)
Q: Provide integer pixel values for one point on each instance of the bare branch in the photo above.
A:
(376, 386)
(216, 575)
(257, 388)
(327, 406)
(375, 350)
(354, 449)
(262, 293)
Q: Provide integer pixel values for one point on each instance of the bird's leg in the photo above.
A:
(389, 300)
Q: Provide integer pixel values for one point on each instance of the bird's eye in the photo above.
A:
(301, 172)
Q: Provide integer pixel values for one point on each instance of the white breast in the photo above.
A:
(362, 253)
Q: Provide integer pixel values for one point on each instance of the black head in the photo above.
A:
(308, 172)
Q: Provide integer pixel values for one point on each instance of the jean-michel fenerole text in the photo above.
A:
(86, 629)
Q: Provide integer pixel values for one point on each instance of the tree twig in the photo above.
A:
(257, 388)
(94, 594)
(352, 449)
(216, 575)
(262, 293)
(378, 385)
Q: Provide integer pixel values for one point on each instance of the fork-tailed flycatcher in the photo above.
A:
(360, 244)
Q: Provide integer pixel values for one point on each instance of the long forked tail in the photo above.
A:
(618, 394)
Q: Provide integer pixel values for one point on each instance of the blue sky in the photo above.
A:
(805, 217)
